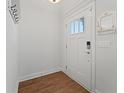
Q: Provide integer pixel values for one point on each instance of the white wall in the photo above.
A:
(11, 56)
(106, 58)
(39, 38)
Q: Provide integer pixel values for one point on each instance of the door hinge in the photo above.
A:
(66, 67)
(66, 45)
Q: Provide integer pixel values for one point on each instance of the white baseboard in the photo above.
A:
(39, 74)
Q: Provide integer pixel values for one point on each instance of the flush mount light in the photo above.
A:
(54, 1)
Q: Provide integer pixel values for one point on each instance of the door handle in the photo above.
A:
(88, 52)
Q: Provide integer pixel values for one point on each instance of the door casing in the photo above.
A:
(93, 41)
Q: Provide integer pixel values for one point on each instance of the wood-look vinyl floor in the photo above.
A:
(52, 83)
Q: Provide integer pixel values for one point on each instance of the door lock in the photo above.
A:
(87, 52)
(88, 45)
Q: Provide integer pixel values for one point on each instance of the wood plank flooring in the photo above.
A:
(52, 83)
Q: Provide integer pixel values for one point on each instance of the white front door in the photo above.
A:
(79, 47)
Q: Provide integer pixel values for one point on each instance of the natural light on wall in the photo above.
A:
(54, 1)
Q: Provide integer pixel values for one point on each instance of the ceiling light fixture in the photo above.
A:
(54, 1)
